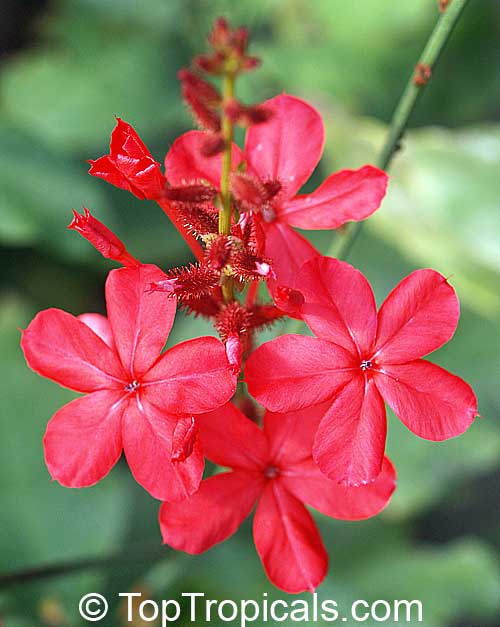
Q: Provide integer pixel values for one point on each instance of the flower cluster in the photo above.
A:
(320, 438)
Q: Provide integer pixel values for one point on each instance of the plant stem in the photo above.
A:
(409, 98)
(141, 553)
(225, 212)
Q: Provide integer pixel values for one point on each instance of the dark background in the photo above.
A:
(68, 67)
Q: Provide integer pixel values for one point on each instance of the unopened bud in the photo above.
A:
(102, 238)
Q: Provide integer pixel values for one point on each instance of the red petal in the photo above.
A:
(289, 145)
(350, 442)
(62, 348)
(339, 304)
(141, 320)
(288, 542)
(348, 195)
(185, 162)
(100, 326)
(147, 441)
(212, 514)
(232, 440)
(418, 316)
(83, 440)
(129, 165)
(295, 371)
(310, 486)
(432, 402)
(288, 251)
(291, 435)
(193, 377)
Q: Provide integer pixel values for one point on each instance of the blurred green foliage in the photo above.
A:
(93, 59)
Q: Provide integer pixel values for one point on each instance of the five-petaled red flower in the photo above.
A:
(273, 468)
(135, 395)
(358, 359)
(281, 154)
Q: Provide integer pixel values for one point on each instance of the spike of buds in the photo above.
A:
(184, 439)
(102, 238)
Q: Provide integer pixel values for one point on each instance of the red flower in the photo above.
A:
(129, 164)
(281, 154)
(272, 468)
(359, 359)
(135, 395)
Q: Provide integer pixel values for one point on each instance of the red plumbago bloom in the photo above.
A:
(135, 396)
(358, 359)
(281, 154)
(129, 164)
(102, 238)
(273, 469)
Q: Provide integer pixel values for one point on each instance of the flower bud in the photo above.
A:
(104, 240)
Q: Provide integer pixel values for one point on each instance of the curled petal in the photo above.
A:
(348, 195)
(288, 542)
(184, 439)
(419, 315)
(83, 440)
(211, 515)
(148, 441)
(129, 164)
(433, 403)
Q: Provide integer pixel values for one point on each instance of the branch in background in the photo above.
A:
(414, 88)
(139, 553)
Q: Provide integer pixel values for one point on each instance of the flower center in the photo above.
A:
(271, 472)
(132, 386)
(366, 364)
(268, 213)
